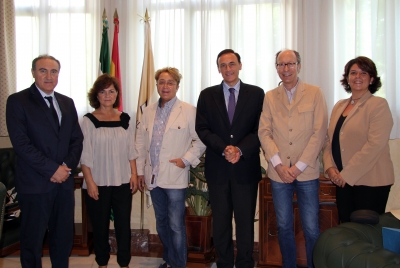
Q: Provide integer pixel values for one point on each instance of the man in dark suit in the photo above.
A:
(227, 123)
(47, 139)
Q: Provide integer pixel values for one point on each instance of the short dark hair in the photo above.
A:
(228, 51)
(294, 51)
(367, 65)
(102, 82)
(174, 72)
(44, 56)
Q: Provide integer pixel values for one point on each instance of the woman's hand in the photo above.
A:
(134, 183)
(335, 177)
(92, 190)
(141, 182)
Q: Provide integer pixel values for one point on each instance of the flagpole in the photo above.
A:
(147, 85)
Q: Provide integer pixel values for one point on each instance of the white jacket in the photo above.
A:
(180, 141)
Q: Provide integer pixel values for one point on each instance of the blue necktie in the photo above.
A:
(53, 110)
(231, 104)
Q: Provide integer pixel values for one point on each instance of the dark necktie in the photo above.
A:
(231, 104)
(53, 110)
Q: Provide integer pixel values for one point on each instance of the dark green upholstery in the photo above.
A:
(9, 241)
(356, 245)
(3, 193)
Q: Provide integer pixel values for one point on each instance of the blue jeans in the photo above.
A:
(169, 208)
(308, 202)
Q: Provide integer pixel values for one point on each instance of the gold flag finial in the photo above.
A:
(104, 14)
(116, 14)
(146, 16)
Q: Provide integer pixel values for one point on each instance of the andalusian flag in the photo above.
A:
(105, 50)
(115, 69)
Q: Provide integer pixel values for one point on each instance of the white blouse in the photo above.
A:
(107, 148)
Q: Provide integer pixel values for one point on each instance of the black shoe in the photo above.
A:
(164, 265)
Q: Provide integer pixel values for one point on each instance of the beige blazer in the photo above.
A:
(180, 140)
(295, 131)
(364, 142)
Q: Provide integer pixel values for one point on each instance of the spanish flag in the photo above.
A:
(115, 69)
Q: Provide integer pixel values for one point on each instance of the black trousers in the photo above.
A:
(119, 199)
(352, 198)
(54, 211)
(238, 199)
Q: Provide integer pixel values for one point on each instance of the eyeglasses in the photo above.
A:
(291, 65)
(169, 83)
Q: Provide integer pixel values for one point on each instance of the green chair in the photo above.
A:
(3, 193)
(9, 238)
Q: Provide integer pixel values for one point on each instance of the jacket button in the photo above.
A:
(231, 136)
(290, 143)
(288, 157)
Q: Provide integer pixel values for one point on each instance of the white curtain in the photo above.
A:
(188, 34)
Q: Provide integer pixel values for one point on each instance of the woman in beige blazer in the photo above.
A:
(356, 152)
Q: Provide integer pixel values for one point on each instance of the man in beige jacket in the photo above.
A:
(167, 146)
(292, 131)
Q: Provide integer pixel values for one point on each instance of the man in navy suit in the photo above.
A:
(227, 123)
(46, 136)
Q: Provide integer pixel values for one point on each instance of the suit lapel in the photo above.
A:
(242, 100)
(219, 99)
(341, 106)
(356, 107)
(283, 98)
(176, 110)
(298, 94)
(37, 97)
(152, 116)
(63, 107)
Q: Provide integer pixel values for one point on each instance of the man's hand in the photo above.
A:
(232, 154)
(134, 183)
(285, 173)
(141, 182)
(178, 162)
(296, 172)
(61, 174)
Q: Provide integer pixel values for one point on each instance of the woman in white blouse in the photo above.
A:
(109, 168)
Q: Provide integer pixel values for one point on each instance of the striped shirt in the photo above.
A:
(160, 123)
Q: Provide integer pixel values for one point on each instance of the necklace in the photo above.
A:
(352, 100)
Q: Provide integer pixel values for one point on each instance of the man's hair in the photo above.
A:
(45, 56)
(174, 72)
(228, 51)
(294, 51)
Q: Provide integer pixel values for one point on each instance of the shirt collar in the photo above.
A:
(293, 89)
(44, 94)
(169, 103)
(226, 87)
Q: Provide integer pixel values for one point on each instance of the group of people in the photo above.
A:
(232, 121)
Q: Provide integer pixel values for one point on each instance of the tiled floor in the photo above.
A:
(89, 262)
